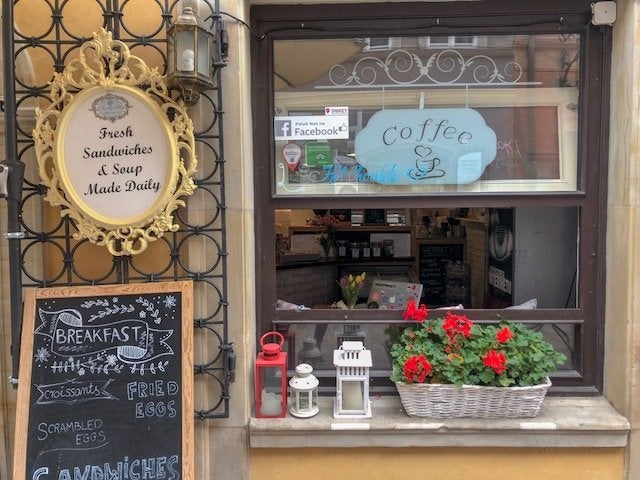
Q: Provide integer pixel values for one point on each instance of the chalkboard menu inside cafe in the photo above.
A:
(433, 258)
(105, 386)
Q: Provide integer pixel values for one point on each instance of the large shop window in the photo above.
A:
(459, 158)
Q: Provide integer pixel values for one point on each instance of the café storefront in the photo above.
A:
(464, 140)
(474, 154)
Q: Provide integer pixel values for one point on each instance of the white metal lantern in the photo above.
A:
(352, 362)
(190, 55)
(303, 394)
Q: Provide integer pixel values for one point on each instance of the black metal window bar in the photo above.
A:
(42, 252)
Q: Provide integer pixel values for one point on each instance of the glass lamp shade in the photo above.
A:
(352, 362)
(190, 50)
(271, 378)
(303, 391)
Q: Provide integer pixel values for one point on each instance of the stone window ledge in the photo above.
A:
(563, 422)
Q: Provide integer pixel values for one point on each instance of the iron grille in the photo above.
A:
(42, 252)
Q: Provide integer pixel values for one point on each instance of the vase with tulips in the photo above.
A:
(350, 286)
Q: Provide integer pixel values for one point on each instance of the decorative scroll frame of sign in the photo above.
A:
(563, 99)
(115, 151)
(87, 297)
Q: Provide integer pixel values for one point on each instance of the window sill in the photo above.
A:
(563, 422)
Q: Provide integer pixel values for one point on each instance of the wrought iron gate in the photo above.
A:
(42, 251)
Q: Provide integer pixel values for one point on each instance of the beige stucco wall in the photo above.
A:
(222, 445)
(228, 455)
(622, 338)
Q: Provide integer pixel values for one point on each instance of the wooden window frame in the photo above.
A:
(271, 23)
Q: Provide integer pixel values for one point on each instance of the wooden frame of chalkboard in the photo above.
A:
(106, 383)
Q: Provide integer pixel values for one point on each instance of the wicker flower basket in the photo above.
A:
(442, 400)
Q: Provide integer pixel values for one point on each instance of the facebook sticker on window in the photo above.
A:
(315, 127)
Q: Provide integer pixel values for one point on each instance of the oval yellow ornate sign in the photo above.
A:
(120, 168)
(118, 154)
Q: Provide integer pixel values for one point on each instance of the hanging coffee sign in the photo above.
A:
(425, 146)
(115, 151)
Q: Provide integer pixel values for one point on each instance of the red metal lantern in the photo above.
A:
(271, 378)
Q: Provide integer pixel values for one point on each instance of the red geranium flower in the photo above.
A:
(456, 324)
(416, 369)
(504, 335)
(496, 361)
(415, 313)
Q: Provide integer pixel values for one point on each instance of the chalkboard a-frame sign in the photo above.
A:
(106, 383)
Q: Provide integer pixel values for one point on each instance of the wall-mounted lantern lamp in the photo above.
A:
(190, 56)
(352, 362)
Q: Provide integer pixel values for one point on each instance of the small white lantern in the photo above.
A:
(352, 362)
(303, 395)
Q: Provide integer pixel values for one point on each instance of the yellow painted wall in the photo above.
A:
(438, 464)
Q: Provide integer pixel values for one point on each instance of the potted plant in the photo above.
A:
(452, 367)
(326, 239)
